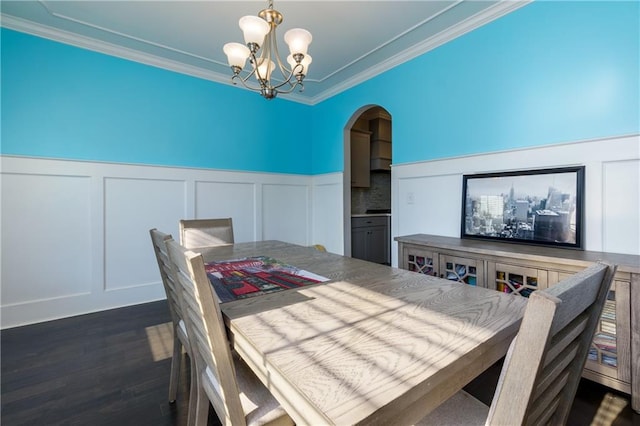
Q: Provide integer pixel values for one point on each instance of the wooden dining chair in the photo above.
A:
(544, 363)
(206, 232)
(222, 379)
(180, 338)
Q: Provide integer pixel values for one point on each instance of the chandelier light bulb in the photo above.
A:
(237, 54)
(264, 69)
(298, 40)
(254, 29)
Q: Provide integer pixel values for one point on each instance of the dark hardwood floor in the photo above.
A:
(112, 368)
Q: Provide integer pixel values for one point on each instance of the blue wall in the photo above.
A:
(60, 101)
(550, 72)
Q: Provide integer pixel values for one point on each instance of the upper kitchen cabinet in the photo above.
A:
(360, 154)
(380, 127)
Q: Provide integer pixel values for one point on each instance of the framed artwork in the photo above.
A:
(544, 206)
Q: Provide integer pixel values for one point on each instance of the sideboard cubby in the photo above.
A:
(518, 269)
(463, 269)
(517, 279)
(423, 261)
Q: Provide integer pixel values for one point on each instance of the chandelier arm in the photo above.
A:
(292, 88)
(287, 80)
(283, 69)
(291, 84)
(266, 83)
(256, 61)
(244, 82)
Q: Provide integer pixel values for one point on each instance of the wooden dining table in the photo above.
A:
(373, 345)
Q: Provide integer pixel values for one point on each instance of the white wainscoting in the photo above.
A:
(427, 196)
(75, 234)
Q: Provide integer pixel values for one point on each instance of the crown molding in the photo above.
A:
(106, 48)
(490, 14)
(494, 12)
(83, 42)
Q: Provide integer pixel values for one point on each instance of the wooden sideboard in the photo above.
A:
(614, 359)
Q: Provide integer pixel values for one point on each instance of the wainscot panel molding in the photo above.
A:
(328, 211)
(75, 234)
(238, 197)
(427, 196)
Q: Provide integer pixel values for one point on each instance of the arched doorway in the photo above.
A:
(367, 183)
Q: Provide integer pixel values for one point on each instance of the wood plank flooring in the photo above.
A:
(112, 368)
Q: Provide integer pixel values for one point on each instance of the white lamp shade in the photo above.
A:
(305, 64)
(254, 29)
(237, 54)
(298, 40)
(265, 68)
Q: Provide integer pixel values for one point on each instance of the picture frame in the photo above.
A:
(538, 206)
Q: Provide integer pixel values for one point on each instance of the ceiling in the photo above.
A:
(352, 40)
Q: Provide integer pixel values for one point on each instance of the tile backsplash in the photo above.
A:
(377, 196)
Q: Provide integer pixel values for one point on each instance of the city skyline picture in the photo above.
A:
(531, 206)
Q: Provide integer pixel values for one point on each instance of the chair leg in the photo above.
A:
(202, 407)
(193, 390)
(176, 360)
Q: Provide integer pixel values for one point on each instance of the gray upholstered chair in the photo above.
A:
(544, 363)
(222, 378)
(180, 339)
(206, 232)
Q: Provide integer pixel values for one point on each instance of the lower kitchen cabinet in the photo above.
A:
(371, 239)
(614, 358)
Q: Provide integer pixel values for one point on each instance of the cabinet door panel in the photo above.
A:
(461, 269)
(419, 260)
(610, 352)
(377, 243)
(359, 243)
(360, 152)
(517, 279)
(370, 242)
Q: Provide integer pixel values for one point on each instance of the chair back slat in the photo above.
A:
(568, 335)
(159, 240)
(553, 370)
(201, 336)
(196, 327)
(544, 363)
(206, 232)
(545, 406)
(205, 327)
(542, 414)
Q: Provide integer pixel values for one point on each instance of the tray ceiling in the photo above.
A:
(352, 40)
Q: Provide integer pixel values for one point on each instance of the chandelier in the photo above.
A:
(261, 49)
